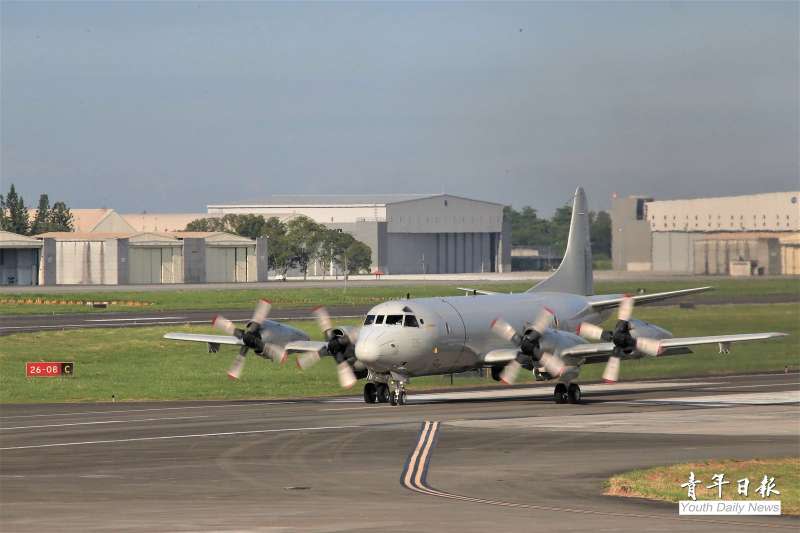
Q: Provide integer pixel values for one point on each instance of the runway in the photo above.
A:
(32, 323)
(502, 458)
(103, 319)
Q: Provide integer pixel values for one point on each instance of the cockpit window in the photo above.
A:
(411, 321)
(369, 320)
(394, 320)
(379, 319)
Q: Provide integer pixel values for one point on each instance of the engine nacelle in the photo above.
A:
(641, 328)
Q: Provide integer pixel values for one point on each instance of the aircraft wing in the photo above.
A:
(505, 355)
(599, 352)
(469, 291)
(211, 339)
(602, 303)
(319, 347)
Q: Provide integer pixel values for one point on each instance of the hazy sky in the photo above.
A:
(164, 106)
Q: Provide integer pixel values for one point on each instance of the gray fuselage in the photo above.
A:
(453, 333)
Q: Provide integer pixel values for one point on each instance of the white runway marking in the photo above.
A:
(755, 398)
(170, 437)
(135, 319)
(168, 321)
(117, 411)
(106, 422)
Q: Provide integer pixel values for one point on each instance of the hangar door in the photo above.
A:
(151, 265)
(229, 263)
(19, 266)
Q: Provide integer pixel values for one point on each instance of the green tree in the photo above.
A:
(16, 213)
(3, 217)
(304, 236)
(357, 257)
(60, 218)
(41, 223)
(600, 230)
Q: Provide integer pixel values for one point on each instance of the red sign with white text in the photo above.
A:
(48, 370)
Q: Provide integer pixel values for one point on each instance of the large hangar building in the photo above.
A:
(408, 234)
(756, 234)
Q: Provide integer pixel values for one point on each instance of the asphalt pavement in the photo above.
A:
(500, 459)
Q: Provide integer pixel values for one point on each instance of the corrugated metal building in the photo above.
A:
(706, 235)
(19, 259)
(408, 234)
(97, 258)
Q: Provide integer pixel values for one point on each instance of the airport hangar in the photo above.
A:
(755, 234)
(407, 233)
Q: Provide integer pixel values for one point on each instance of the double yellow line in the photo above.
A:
(415, 473)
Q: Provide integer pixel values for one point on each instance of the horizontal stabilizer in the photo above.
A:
(469, 291)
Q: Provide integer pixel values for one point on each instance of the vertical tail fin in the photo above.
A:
(574, 275)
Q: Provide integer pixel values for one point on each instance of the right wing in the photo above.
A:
(309, 352)
(468, 291)
(197, 337)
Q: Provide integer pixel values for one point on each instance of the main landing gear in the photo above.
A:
(376, 392)
(567, 394)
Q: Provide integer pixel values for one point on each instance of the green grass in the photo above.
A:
(138, 364)
(664, 482)
(244, 298)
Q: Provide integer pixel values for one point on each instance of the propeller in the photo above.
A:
(250, 336)
(621, 336)
(338, 344)
(528, 344)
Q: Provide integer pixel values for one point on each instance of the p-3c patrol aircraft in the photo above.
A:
(544, 330)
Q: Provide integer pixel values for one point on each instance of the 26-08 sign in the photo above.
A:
(48, 370)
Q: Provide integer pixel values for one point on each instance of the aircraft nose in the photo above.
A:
(367, 351)
(371, 347)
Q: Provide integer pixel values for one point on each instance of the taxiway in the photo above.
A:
(505, 457)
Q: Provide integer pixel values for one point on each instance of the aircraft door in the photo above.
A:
(453, 335)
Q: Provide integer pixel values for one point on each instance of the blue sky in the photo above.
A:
(169, 106)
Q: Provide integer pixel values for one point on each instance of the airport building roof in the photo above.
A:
(14, 240)
(340, 200)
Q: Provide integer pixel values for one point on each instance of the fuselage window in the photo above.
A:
(411, 321)
(369, 320)
(394, 320)
(379, 319)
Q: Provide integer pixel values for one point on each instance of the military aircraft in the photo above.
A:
(543, 330)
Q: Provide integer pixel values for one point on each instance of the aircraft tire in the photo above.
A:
(573, 393)
(382, 390)
(370, 393)
(560, 393)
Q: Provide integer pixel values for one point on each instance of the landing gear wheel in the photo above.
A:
(370, 393)
(573, 393)
(496, 371)
(393, 398)
(560, 393)
(401, 400)
(382, 390)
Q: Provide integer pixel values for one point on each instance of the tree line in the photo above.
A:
(14, 215)
(528, 229)
(296, 243)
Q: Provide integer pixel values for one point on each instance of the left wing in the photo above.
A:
(595, 353)
(603, 303)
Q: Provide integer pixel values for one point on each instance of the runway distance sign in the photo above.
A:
(49, 370)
